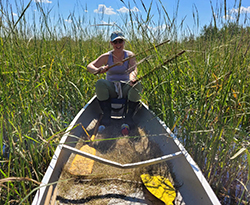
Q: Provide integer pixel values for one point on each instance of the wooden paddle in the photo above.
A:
(53, 198)
(82, 165)
(47, 200)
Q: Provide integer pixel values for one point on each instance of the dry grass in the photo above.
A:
(107, 184)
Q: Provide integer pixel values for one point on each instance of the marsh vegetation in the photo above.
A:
(202, 96)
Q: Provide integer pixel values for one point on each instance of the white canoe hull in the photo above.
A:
(194, 187)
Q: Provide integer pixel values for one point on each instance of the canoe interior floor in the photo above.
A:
(109, 185)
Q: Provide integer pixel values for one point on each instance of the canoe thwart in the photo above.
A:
(124, 166)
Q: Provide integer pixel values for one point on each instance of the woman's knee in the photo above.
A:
(101, 89)
(100, 83)
(134, 93)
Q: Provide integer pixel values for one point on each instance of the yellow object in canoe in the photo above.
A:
(159, 187)
(82, 165)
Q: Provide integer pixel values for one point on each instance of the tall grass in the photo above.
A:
(203, 96)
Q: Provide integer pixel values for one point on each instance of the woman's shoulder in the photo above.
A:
(129, 53)
(104, 55)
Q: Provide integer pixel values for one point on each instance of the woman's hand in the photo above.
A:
(132, 82)
(103, 69)
(96, 66)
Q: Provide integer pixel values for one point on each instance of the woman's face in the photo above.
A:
(118, 44)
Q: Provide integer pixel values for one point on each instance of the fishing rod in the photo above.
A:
(133, 56)
(164, 63)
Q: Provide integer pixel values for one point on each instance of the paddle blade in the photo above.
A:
(82, 165)
(159, 187)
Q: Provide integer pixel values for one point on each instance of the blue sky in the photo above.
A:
(104, 11)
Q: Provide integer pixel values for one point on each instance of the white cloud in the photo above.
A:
(43, 1)
(126, 10)
(123, 10)
(14, 14)
(106, 23)
(104, 10)
(229, 17)
(135, 9)
(159, 28)
(68, 20)
(242, 10)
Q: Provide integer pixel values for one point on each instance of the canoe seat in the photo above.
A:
(118, 107)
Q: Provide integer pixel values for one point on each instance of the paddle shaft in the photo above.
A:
(133, 56)
(47, 200)
(96, 127)
(53, 198)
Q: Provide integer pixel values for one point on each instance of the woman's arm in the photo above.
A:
(99, 65)
(132, 69)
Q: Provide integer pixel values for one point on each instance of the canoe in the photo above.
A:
(192, 187)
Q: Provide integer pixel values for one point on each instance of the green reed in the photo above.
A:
(203, 95)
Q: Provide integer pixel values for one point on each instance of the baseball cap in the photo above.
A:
(117, 35)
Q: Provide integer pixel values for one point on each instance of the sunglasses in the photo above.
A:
(118, 41)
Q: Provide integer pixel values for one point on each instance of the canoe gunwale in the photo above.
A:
(191, 166)
(55, 167)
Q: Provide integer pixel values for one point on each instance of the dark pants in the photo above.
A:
(105, 89)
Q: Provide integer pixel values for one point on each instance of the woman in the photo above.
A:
(120, 80)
